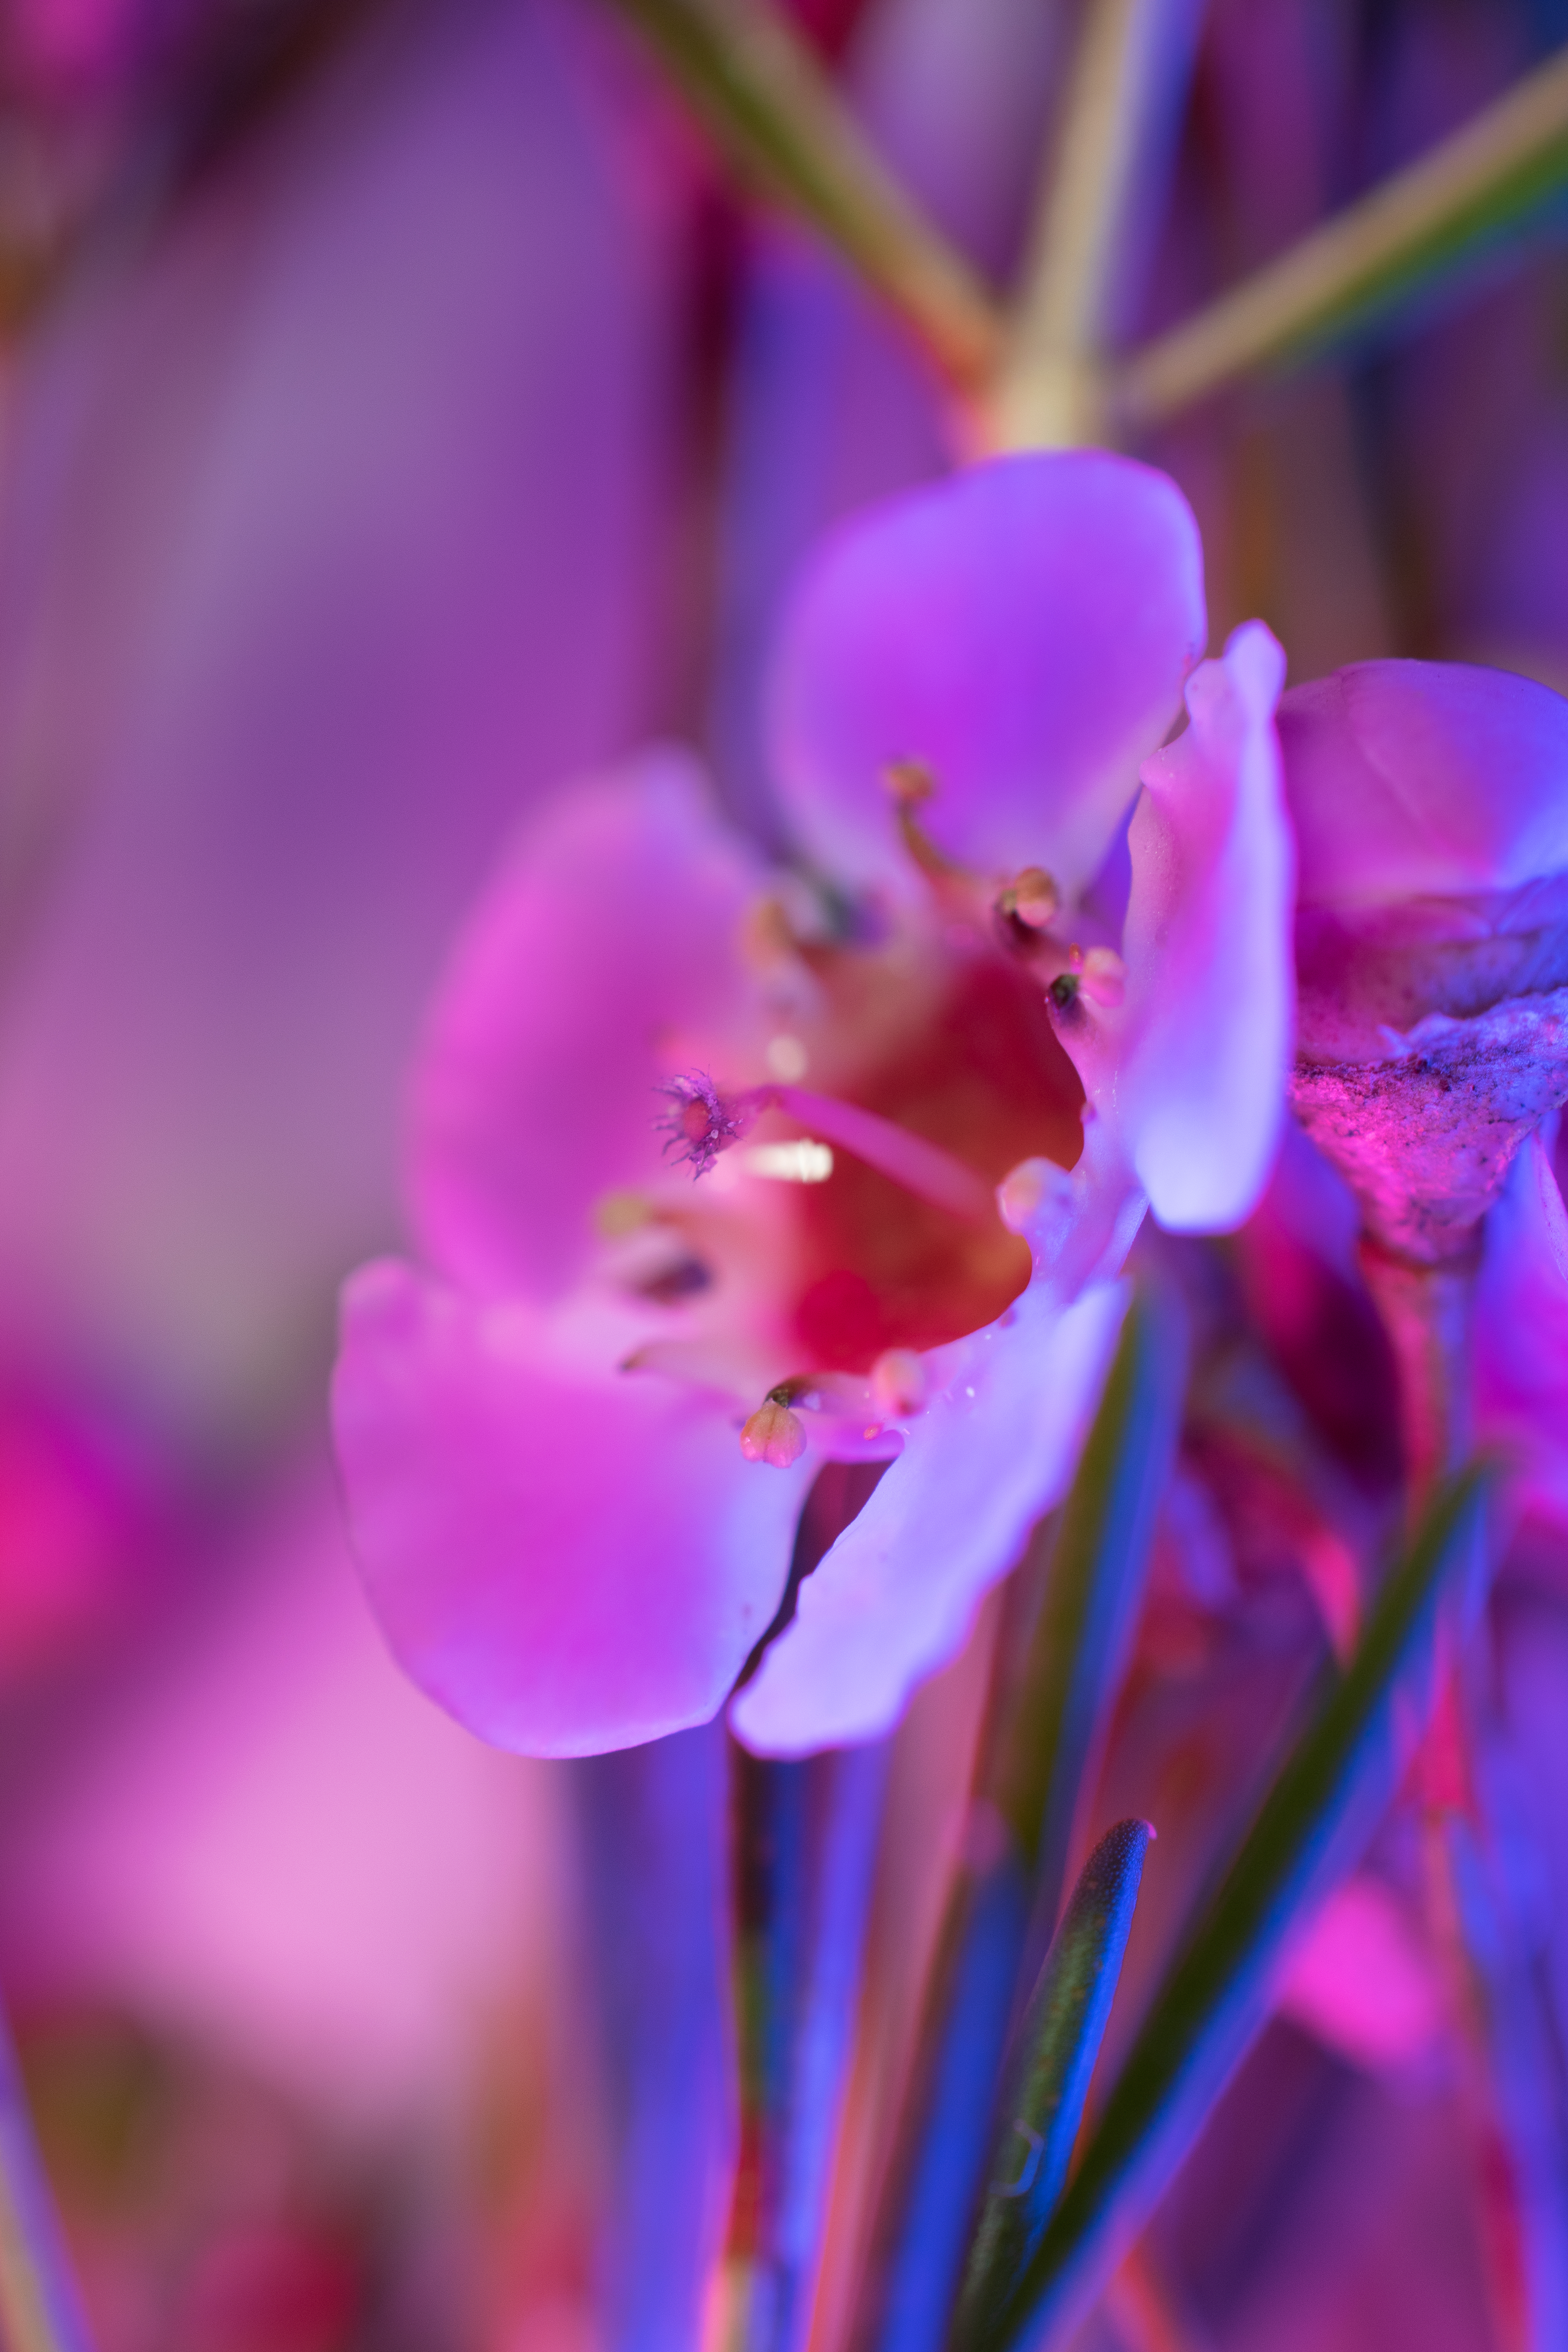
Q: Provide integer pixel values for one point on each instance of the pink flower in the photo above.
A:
(719, 1175)
(1431, 809)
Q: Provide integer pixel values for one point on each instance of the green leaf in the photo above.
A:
(1323, 1805)
(1047, 2078)
(1486, 178)
(761, 92)
(1096, 1555)
(1059, 1660)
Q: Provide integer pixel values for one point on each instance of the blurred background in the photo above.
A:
(401, 415)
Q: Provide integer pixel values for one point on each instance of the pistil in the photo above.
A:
(702, 1122)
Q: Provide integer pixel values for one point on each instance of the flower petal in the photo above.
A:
(1022, 630)
(613, 929)
(1407, 778)
(567, 1563)
(894, 1597)
(1204, 1034)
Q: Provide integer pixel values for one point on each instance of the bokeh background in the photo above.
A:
(401, 415)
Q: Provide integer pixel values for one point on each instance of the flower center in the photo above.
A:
(885, 1265)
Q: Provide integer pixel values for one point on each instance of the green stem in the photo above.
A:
(1323, 1805)
(1051, 390)
(1420, 221)
(761, 94)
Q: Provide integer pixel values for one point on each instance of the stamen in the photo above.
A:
(774, 1433)
(910, 783)
(1033, 897)
(1104, 976)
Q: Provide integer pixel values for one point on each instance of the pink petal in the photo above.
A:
(1024, 630)
(1409, 777)
(1205, 1033)
(567, 1562)
(607, 948)
(895, 1596)
(1521, 1329)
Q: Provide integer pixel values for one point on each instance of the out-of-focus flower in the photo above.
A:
(331, 514)
(575, 1457)
(1431, 810)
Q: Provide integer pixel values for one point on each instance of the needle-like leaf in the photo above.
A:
(1321, 1808)
(761, 94)
(1061, 1658)
(1047, 2078)
(1485, 178)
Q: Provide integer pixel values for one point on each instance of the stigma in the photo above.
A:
(700, 1122)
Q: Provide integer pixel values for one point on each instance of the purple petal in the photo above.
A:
(1200, 1092)
(613, 932)
(1022, 630)
(894, 1597)
(1406, 778)
(567, 1561)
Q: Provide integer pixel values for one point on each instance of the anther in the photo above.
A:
(1103, 976)
(774, 1433)
(1032, 898)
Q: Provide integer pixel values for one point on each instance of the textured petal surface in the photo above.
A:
(1205, 1031)
(606, 953)
(894, 1597)
(1407, 778)
(1521, 1329)
(1024, 630)
(567, 1562)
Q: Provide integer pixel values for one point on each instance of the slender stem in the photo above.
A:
(1051, 390)
(761, 94)
(805, 1835)
(1483, 178)
(1057, 1663)
(38, 2307)
(1425, 1311)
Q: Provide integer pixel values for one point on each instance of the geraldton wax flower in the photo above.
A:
(720, 1173)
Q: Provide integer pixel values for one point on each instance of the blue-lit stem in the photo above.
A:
(652, 1843)
(1060, 1658)
(39, 2310)
(805, 1839)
